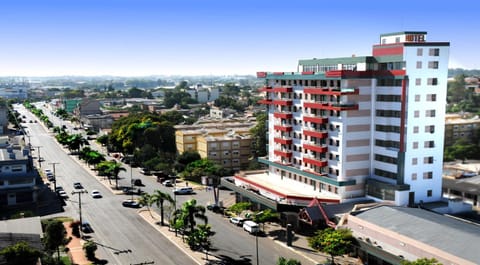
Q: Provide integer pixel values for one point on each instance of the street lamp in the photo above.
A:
(256, 237)
(54, 175)
(80, 192)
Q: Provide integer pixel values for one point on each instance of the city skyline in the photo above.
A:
(187, 37)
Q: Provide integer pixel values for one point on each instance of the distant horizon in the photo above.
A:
(212, 37)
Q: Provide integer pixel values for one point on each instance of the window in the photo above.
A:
(416, 114)
(428, 160)
(429, 193)
(427, 175)
(430, 113)
(418, 81)
(414, 161)
(429, 144)
(419, 51)
(430, 128)
(386, 159)
(433, 65)
(397, 39)
(419, 64)
(434, 51)
(415, 129)
(417, 98)
(431, 97)
(432, 81)
(414, 176)
(415, 145)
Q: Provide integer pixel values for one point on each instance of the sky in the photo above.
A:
(210, 37)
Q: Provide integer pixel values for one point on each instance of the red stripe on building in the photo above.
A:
(386, 50)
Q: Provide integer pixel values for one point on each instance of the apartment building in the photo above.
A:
(227, 143)
(459, 127)
(366, 126)
(17, 176)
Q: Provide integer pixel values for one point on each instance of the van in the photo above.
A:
(251, 227)
(184, 190)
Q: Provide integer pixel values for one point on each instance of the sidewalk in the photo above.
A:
(75, 246)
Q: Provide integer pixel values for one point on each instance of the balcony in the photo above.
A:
(330, 91)
(320, 162)
(283, 127)
(316, 148)
(283, 102)
(315, 133)
(315, 119)
(283, 153)
(283, 89)
(283, 115)
(265, 101)
(330, 106)
(282, 140)
(265, 89)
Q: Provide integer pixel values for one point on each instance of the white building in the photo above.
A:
(355, 127)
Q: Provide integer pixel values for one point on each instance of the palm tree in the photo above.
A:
(76, 141)
(115, 169)
(159, 197)
(147, 200)
(190, 211)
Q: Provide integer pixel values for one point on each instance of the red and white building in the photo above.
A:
(342, 129)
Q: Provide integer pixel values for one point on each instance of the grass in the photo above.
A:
(65, 260)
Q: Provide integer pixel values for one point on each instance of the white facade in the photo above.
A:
(365, 126)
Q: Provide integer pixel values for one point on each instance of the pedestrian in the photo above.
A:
(186, 183)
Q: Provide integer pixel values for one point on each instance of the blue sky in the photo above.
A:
(210, 37)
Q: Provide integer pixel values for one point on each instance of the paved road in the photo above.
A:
(116, 228)
(110, 220)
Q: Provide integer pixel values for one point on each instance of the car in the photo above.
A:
(132, 191)
(62, 194)
(58, 188)
(131, 203)
(77, 185)
(183, 190)
(96, 194)
(214, 208)
(238, 221)
(168, 183)
(145, 171)
(87, 228)
(50, 176)
(137, 182)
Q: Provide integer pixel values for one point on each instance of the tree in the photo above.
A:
(284, 261)
(422, 261)
(190, 211)
(146, 199)
(90, 247)
(333, 242)
(265, 216)
(54, 235)
(110, 169)
(159, 198)
(259, 133)
(21, 254)
(76, 141)
(200, 238)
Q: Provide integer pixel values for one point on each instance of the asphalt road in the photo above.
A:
(121, 229)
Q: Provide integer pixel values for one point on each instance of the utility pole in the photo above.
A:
(80, 192)
(39, 158)
(54, 176)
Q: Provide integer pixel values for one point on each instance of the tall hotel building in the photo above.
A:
(361, 126)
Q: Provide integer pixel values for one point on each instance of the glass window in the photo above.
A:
(416, 113)
(417, 98)
(433, 65)
(432, 81)
(415, 145)
(418, 81)
(419, 65)
(414, 176)
(434, 52)
(414, 161)
(419, 51)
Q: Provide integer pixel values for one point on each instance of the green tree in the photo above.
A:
(20, 253)
(422, 261)
(239, 207)
(264, 216)
(333, 242)
(147, 200)
(76, 141)
(111, 169)
(200, 238)
(190, 211)
(259, 133)
(159, 198)
(54, 235)
(284, 261)
(90, 247)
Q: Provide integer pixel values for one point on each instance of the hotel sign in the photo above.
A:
(415, 37)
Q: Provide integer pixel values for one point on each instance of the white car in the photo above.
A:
(96, 194)
(238, 221)
(63, 194)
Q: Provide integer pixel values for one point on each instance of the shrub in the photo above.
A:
(90, 247)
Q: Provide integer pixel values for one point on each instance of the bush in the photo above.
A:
(75, 228)
(90, 247)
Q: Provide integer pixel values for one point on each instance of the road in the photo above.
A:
(120, 228)
(116, 228)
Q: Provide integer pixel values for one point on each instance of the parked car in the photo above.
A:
(131, 204)
(183, 190)
(251, 227)
(214, 208)
(137, 182)
(145, 171)
(96, 194)
(238, 221)
(132, 191)
(168, 183)
(58, 188)
(50, 176)
(87, 228)
(77, 185)
(62, 194)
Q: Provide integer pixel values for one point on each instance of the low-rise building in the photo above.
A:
(458, 126)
